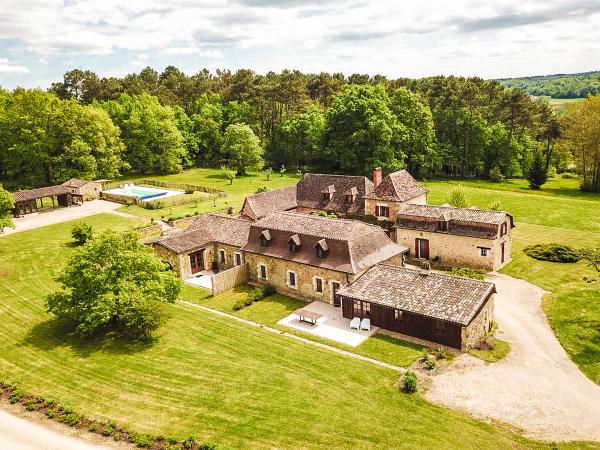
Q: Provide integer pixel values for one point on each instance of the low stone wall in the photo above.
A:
(150, 229)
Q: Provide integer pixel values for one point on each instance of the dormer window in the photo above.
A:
(442, 225)
(294, 243)
(328, 192)
(350, 198)
(351, 195)
(321, 248)
(265, 238)
(326, 196)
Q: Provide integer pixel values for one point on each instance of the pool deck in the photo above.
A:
(154, 193)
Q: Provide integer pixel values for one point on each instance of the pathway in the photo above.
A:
(37, 220)
(298, 338)
(536, 387)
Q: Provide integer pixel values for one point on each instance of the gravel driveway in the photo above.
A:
(536, 388)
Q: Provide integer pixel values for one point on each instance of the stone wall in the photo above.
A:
(456, 250)
(371, 205)
(277, 275)
(479, 326)
(91, 190)
(230, 251)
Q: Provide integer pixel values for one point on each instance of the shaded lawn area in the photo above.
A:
(270, 310)
(209, 376)
(208, 177)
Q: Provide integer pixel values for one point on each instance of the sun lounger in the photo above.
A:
(365, 324)
(355, 323)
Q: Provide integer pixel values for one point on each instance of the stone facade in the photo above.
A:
(479, 326)
(371, 206)
(459, 250)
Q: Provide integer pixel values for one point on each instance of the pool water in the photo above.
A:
(143, 192)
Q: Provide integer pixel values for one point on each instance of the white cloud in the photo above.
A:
(7, 67)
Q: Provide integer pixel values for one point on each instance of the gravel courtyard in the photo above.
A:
(536, 388)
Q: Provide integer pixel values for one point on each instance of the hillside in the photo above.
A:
(575, 85)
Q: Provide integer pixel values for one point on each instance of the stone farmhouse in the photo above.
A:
(311, 257)
(259, 205)
(448, 310)
(88, 189)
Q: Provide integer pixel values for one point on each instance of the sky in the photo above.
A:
(42, 39)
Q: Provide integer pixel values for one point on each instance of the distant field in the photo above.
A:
(560, 103)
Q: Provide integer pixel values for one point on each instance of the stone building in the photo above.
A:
(311, 257)
(389, 194)
(211, 242)
(463, 237)
(448, 310)
(88, 189)
(339, 194)
(259, 205)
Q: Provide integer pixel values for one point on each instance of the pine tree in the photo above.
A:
(537, 172)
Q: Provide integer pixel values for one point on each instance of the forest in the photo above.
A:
(576, 85)
(150, 122)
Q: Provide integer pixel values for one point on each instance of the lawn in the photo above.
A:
(238, 190)
(274, 308)
(557, 213)
(210, 376)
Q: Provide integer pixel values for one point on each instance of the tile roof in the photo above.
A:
(34, 194)
(311, 187)
(351, 245)
(76, 182)
(398, 186)
(463, 221)
(259, 205)
(439, 296)
(206, 229)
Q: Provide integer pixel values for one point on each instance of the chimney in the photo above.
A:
(377, 176)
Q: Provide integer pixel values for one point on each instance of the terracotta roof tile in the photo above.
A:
(33, 194)
(259, 205)
(444, 297)
(311, 187)
(398, 186)
(76, 182)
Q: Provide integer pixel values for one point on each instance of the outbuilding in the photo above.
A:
(448, 310)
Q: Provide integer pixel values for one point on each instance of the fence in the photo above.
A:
(228, 279)
(168, 185)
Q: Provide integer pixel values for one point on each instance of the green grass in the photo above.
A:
(275, 307)
(210, 376)
(240, 189)
(558, 213)
(500, 350)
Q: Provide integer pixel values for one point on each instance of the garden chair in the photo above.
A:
(355, 323)
(365, 324)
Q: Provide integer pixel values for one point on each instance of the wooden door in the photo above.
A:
(422, 248)
(502, 253)
(335, 286)
(197, 261)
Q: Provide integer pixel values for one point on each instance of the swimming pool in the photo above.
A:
(143, 192)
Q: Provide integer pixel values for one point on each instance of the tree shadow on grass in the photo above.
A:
(55, 333)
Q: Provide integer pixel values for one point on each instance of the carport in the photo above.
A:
(26, 202)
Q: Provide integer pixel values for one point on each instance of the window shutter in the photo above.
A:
(417, 249)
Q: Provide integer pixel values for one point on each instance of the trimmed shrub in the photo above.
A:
(93, 427)
(496, 175)
(268, 290)
(553, 252)
(17, 395)
(143, 440)
(81, 232)
(108, 430)
(243, 303)
(409, 383)
(30, 405)
(70, 419)
(476, 274)
(50, 413)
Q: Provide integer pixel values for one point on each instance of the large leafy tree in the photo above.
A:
(418, 140)
(242, 149)
(362, 132)
(7, 203)
(581, 135)
(114, 283)
(153, 142)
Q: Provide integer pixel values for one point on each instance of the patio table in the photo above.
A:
(307, 316)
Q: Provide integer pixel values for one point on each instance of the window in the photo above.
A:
(382, 211)
(222, 255)
(350, 198)
(503, 229)
(262, 271)
(326, 196)
(442, 225)
(291, 279)
(294, 243)
(397, 315)
(483, 251)
(319, 285)
(238, 258)
(361, 309)
(321, 248)
(265, 238)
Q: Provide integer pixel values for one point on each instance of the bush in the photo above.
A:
(458, 198)
(242, 303)
(552, 172)
(190, 442)
(570, 176)
(208, 446)
(81, 232)
(50, 413)
(268, 290)
(71, 419)
(30, 405)
(108, 430)
(409, 383)
(496, 206)
(261, 189)
(430, 364)
(143, 440)
(476, 274)
(553, 252)
(440, 353)
(17, 395)
(93, 427)
(496, 175)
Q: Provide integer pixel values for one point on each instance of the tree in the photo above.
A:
(361, 132)
(227, 174)
(81, 232)
(242, 149)
(114, 283)
(538, 173)
(591, 256)
(7, 203)
(153, 142)
(458, 198)
(581, 135)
